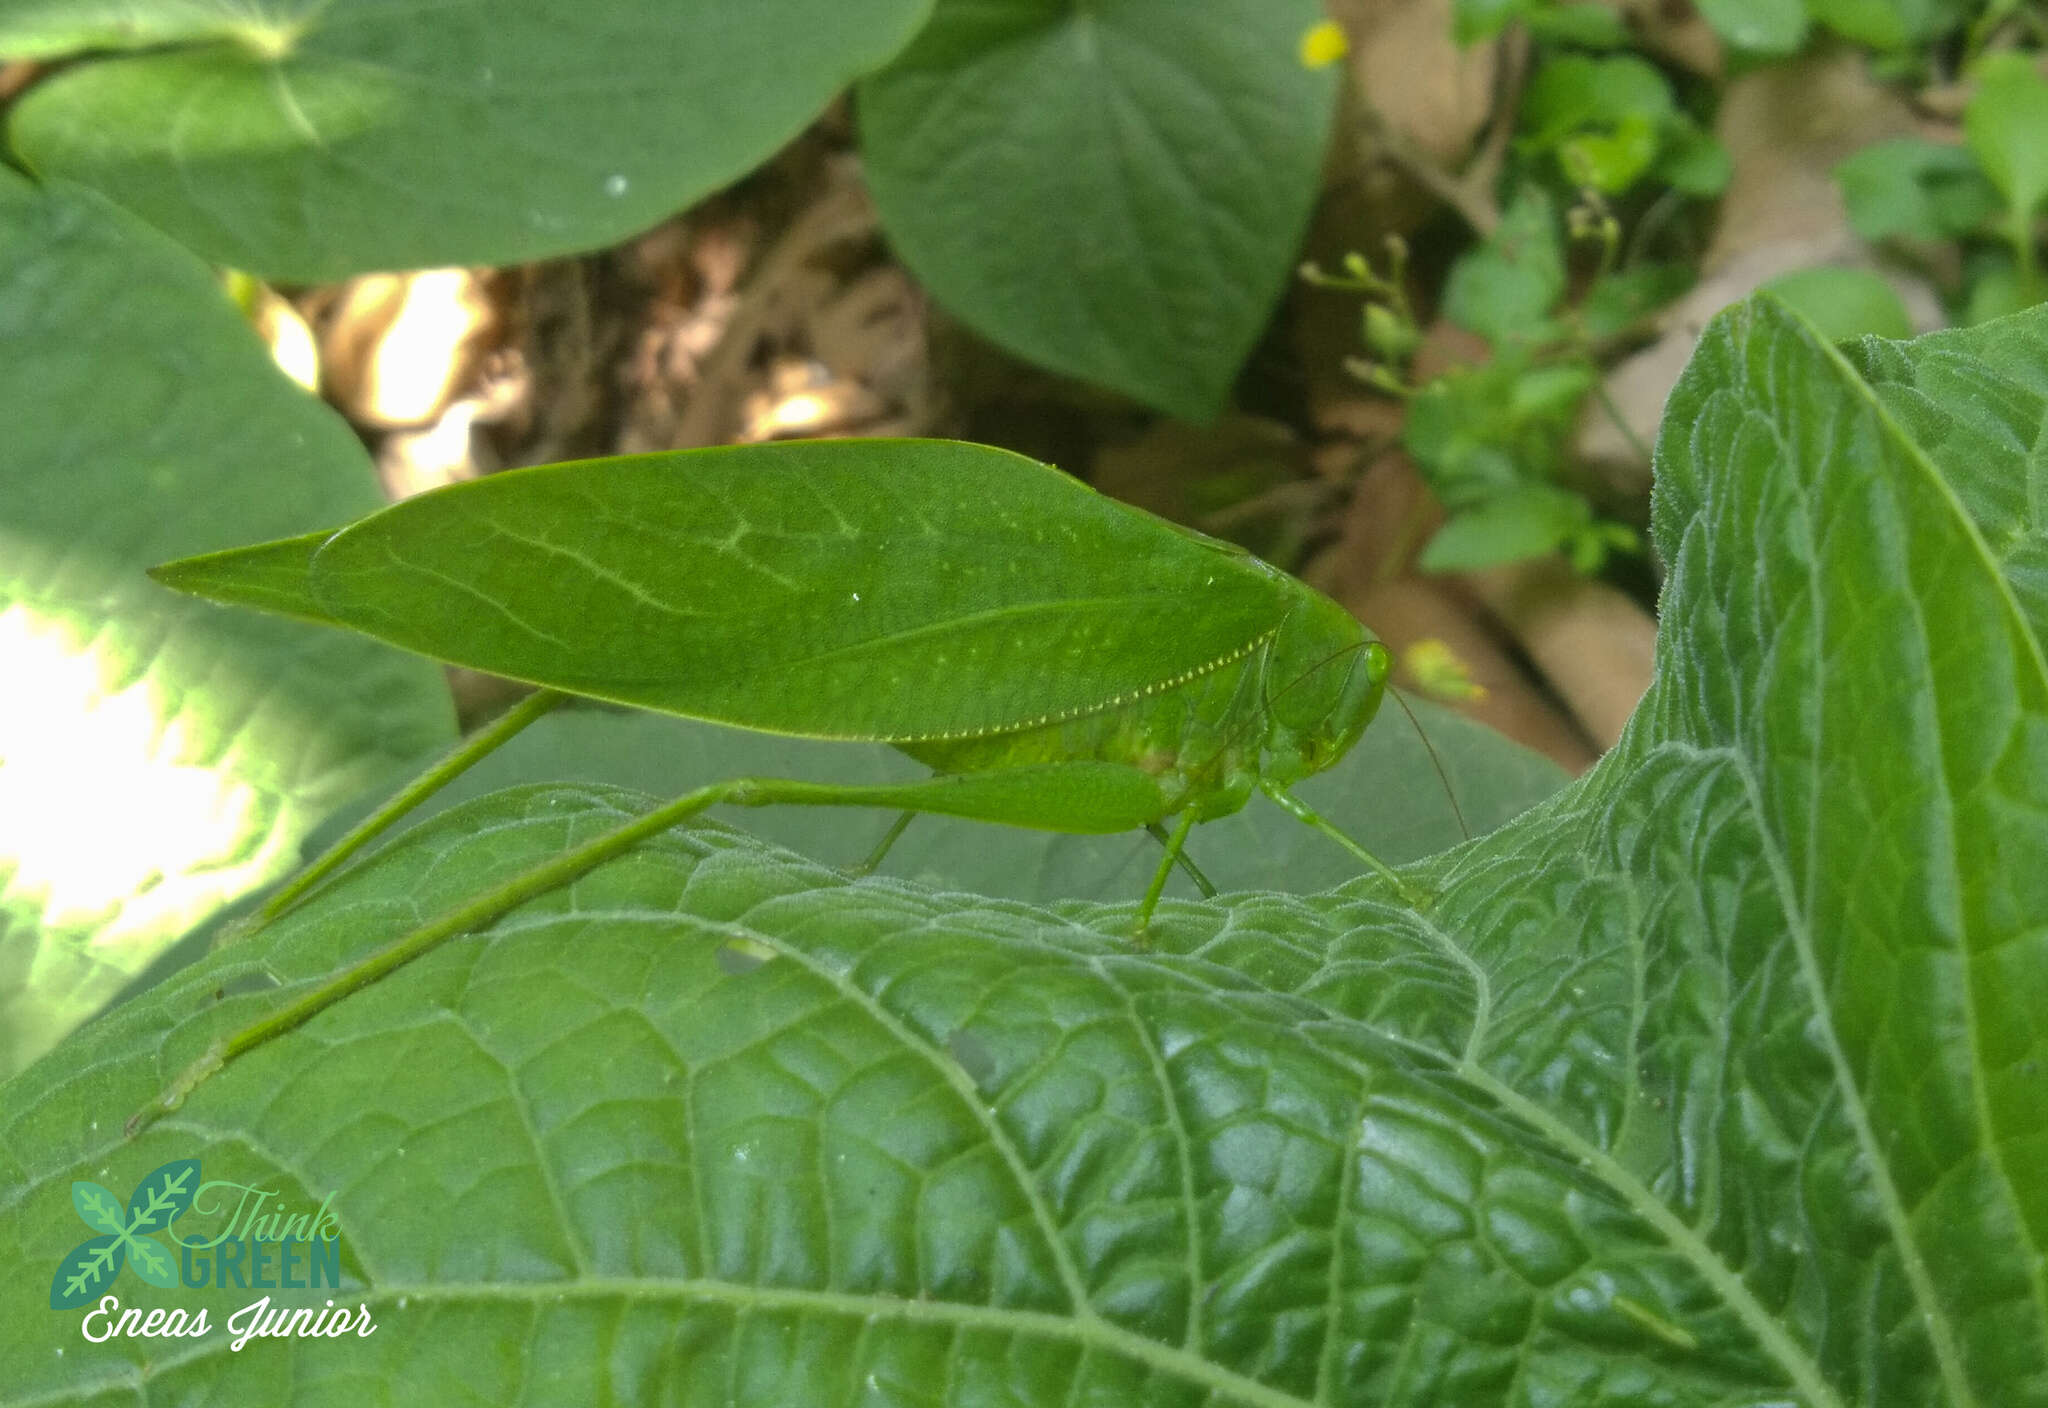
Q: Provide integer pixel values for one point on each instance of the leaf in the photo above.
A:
(1914, 188)
(1713, 1080)
(2004, 121)
(1759, 26)
(1573, 92)
(1504, 289)
(1843, 303)
(1693, 161)
(86, 1270)
(877, 589)
(1520, 524)
(1114, 189)
(1895, 24)
(157, 759)
(308, 142)
(100, 1209)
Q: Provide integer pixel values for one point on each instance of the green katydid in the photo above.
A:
(1059, 660)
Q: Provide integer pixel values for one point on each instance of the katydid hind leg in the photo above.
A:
(1108, 802)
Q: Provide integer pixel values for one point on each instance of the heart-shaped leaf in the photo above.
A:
(1115, 189)
(306, 142)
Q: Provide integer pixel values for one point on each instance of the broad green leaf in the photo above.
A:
(1915, 188)
(1115, 189)
(157, 757)
(1386, 792)
(1713, 1080)
(876, 589)
(1843, 303)
(308, 141)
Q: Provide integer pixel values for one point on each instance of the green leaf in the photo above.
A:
(1586, 25)
(1843, 303)
(1619, 300)
(1758, 26)
(306, 142)
(1714, 1080)
(1115, 189)
(1915, 188)
(1609, 161)
(157, 758)
(1693, 161)
(1997, 290)
(1893, 25)
(2003, 122)
(1523, 523)
(1975, 399)
(1573, 92)
(1504, 290)
(1474, 20)
(1878, 24)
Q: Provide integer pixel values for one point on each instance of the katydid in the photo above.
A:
(1059, 660)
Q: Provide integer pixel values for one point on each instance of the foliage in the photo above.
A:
(1711, 1080)
(1492, 439)
(157, 759)
(1004, 141)
(1909, 189)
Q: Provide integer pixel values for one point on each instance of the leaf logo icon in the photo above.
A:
(125, 1233)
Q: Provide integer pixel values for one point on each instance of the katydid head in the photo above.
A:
(1328, 675)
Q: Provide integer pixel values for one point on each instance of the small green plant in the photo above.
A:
(1491, 439)
(1987, 194)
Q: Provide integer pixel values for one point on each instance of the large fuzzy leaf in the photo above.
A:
(1713, 1080)
(157, 757)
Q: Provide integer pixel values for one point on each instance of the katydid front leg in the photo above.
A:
(1080, 797)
